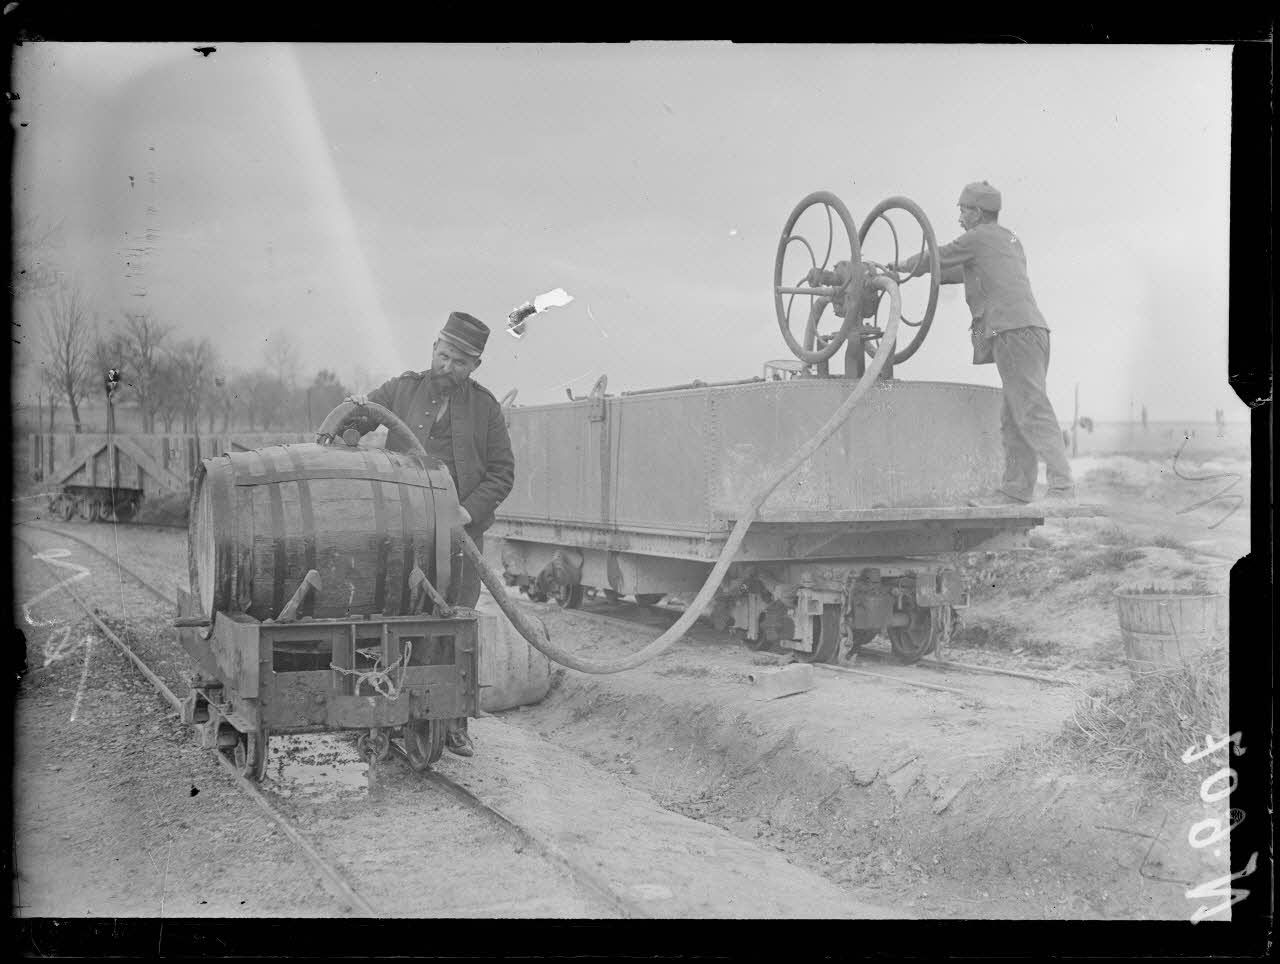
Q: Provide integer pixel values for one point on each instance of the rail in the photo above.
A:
(581, 876)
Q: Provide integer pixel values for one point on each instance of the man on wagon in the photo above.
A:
(1009, 329)
(459, 422)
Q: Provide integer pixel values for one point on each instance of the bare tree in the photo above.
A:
(53, 391)
(262, 395)
(144, 340)
(193, 362)
(225, 387)
(322, 396)
(169, 391)
(67, 346)
(281, 357)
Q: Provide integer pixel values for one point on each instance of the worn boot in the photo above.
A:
(456, 740)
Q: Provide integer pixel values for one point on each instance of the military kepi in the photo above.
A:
(465, 332)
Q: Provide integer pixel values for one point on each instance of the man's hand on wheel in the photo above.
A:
(358, 399)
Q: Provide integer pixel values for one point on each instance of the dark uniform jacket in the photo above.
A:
(479, 456)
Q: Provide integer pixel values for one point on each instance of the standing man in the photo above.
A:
(1007, 321)
(459, 422)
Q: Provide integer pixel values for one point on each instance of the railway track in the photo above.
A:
(596, 890)
(638, 617)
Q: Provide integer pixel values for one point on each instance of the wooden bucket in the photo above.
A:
(512, 673)
(1164, 629)
(262, 519)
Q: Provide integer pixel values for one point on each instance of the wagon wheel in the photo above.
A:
(929, 265)
(568, 597)
(558, 586)
(911, 642)
(826, 646)
(847, 290)
(124, 510)
(87, 508)
(250, 755)
(424, 742)
(64, 507)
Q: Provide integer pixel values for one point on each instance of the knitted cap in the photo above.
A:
(980, 195)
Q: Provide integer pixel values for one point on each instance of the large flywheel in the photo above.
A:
(841, 284)
(844, 282)
(928, 268)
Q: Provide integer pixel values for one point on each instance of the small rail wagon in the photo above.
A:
(96, 476)
(635, 494)
(317, 600)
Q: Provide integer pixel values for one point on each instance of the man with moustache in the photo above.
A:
(459, 422)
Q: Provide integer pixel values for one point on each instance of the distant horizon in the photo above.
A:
(132, 405)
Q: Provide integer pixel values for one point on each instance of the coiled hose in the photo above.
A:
(534, 635)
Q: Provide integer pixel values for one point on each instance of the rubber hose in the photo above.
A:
(535, 636)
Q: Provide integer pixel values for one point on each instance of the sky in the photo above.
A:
(351, 196)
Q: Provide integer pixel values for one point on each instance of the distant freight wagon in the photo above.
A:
(108, 477)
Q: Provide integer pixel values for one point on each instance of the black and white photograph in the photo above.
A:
(674, 480)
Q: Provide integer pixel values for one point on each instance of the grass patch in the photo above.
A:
(1038, 541)
(1114, 559)
(997, 634)
(1142, 728)
(1115, 536)
(1166, 541)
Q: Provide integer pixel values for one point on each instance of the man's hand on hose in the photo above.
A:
(464, 517)
(355, 399)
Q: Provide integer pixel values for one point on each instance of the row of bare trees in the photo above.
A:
(178, 383)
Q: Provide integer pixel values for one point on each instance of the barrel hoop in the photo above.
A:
(258, 466)
(224, 548)
(406, 524)
(384, 541)
(276, 502)
(443, 574)
(311, 474)
(308, 528)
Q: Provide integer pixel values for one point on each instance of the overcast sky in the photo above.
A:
(353, 195)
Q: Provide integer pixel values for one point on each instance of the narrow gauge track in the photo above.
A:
(632, 617)
(333, 879)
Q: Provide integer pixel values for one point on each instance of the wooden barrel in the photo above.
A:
(361, 517)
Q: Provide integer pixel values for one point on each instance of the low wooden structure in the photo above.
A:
(100, 476)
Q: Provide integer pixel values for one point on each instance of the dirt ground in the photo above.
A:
(930, 803)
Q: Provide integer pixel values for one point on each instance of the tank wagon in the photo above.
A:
(635, 494)
(95, 476)
(317, 599)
